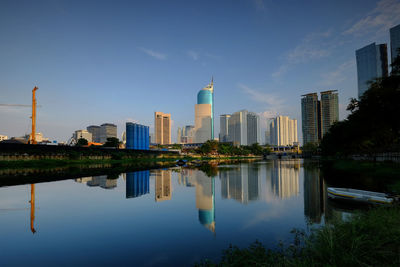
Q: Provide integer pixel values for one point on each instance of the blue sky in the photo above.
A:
(118, 61)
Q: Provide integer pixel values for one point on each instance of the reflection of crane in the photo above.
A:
(32, 137)
(32, 208)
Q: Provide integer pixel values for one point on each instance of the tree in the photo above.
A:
(373, 125)
(112, 142)
(81, 142)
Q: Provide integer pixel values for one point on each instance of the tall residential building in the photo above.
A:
(394, 42)
(224, 128)
(83, 134)
(162, 128)
(204, 114)
(107, 130)
(329, 109)
(372, 63)
(283, 131)
(95, 131)
(137, 136)
(253, 129)
(237, 128)
(318, 115)
(311, 118)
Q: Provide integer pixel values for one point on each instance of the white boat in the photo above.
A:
(359, 195)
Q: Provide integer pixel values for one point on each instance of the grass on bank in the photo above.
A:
(371, 238)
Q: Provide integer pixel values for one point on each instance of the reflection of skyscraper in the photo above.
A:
(205, 201)
(205, 190)
(242, 184)
(137, 183)
(285, 178)
(101, 181)
(163, 185)
(313, 195)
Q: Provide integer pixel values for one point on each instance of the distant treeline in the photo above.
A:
(31, 152)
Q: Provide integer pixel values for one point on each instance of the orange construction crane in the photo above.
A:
(32, 138)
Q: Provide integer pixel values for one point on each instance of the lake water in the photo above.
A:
(175, 216)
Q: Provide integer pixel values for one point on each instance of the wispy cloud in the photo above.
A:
(312, 47)
(338, 75)
(193, 54)
(274, 102)
(385, 15)
(154, 54)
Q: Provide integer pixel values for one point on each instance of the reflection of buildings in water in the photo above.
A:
(101, 181)
(163, 188)
(242, 184)
(285, 178)
(205, 198)
(314, 195)
(186, 177)
(205, 201)
(137, 183)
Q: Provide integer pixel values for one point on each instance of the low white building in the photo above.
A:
(3, 137)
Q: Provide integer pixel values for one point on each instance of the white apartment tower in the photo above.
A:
(283, 131)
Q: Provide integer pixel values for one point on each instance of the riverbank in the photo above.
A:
(373, 176)
(370, 238)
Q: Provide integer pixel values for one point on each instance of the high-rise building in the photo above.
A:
(253, 129)
(329, 109)
(83, 134)
(163, 187)
(179, 136)
(237, 128)
(318, 115)
(311, 118)
(224, 128)
(188, 134)
(95, 131)
(162, 128)
(394, 42)
(137, 136)
(204, 114)
(372, 63)
(107, 130)
(283, 131)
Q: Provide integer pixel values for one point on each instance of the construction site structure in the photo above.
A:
(32, 138)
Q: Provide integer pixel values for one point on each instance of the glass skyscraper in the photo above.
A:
(394, 41)
(372, 63)
(137, 136)
(329, 109)
(204, 114)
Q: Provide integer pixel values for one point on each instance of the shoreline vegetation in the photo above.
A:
(370, 238)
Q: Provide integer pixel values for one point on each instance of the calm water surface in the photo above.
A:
(164, 217)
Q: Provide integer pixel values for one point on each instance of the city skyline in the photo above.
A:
(82, 69)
